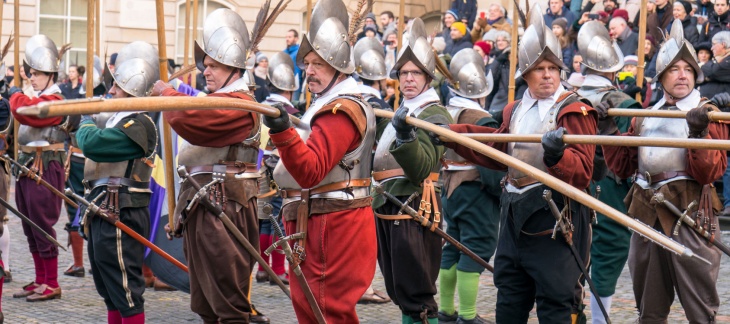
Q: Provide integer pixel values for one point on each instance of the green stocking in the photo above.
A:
(468, 284)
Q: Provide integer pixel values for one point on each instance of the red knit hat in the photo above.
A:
(486, 48)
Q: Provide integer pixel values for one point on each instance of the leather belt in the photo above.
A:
(51, 147)
(392, 217)
(659, 177)
(457, 163)
(90, 184)
(521, 182)
(388, 174)
(230, 168)
(75, 149)
(336, 186)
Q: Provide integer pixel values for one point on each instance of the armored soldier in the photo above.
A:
(529, 265)
(324, 174)
(281, 83)
(681, 175)
(119, 150)
(406, 163)
(602, 59)
(42, 148)
(220, 145)
(470, 195)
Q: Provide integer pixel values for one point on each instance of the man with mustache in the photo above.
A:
(529, 265)
(682, 176)
(324, 174)
(219, 145)
(406, 162)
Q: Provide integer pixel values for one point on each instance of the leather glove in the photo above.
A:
(404, 132)
(552, 143)
(85, 118)
(278, 124)
(606, 124)
(435, 138)
(722, 101)
(13, 90)
(698, 120)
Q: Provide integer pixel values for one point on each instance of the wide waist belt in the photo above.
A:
(76, 150)
(51, 147)
(230, 168)
(111, 181)
(392, 217)
(521, 182)
(336, 186)
(388, 174)
(659, 177)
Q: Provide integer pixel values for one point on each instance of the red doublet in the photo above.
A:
(576, 165)
(338, 272)
(705, 166)
(20, 100)
(211, 128)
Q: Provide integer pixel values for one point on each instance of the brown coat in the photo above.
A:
(482, 27)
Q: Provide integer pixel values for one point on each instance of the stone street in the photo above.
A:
(81, 304)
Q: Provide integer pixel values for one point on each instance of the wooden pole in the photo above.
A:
(689, 143)
(642, 38)
(166, 132)
(193, 76)
(620, 112)
(550, 181)
(16, 63)
(399, 29)
(90, 49)
(307, 94)
(2, 6)
(186, 53)
(513, 52)
(97, 27)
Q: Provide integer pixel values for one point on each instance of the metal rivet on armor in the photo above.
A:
(316, 47)
(220, 56)
(235, 39)
(330, 58)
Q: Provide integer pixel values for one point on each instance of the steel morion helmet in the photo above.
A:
(600, 53)
(677, 48)
(328, 36)
(225, 40)
(41, 54)
(281, 72)
(417, 49)
(370, 59)
(467, 69)
(137, 69)
(538, 44)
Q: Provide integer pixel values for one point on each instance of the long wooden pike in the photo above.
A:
(90, 48)
(689, 143)
(166, 131)
(16, 54)
(552, 182)
(621, 112)
(642, 39)
(513, 49)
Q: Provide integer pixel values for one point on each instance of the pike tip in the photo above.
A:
(689, 253)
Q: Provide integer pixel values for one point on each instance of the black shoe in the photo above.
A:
(284, 278)
(475, 320)
(262, 276)
(448, 319)
(8, 276)
(259, 319)
(74, 271)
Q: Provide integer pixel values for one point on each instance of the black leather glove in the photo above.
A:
(698, 120)
(435, 138)
(278, 124)
(606, 124)
(722, 101)
(14, 90)
(404, 132)
(552, 143)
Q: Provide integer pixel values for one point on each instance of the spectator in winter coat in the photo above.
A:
(494, 20)
(626, 39)
(450, 17)
(681, 11)
(717, 21)
(717, 70)
(559, 27)
(557, 9)
(460, 40)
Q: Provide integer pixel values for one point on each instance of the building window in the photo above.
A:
(64, 21)
(205, 7)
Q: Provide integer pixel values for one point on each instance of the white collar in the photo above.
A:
(593, 80)
(238, 85)
(687, 103)
(111, 122)
(53, 89)
(364, 89)
(543, 105)
(420, 100)
(275, 97)
(457, 101)
(346, 86)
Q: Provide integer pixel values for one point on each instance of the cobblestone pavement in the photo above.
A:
(81, 303)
